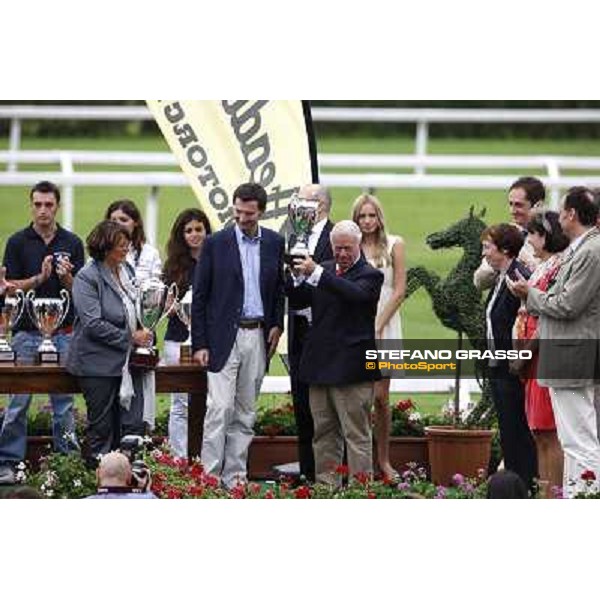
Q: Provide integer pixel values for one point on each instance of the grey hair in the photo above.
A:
(325, 195)
(346, 227)
(316, 190)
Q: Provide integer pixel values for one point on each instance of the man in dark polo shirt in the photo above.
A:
(43, 257)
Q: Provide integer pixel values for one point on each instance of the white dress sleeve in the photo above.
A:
(148, 264)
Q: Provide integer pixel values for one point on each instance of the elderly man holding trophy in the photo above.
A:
(40, 261)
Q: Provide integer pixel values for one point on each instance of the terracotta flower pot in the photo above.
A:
(452, 451)
(268, 451)
(404, 450)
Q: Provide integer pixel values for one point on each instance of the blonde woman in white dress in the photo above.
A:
(386, 253)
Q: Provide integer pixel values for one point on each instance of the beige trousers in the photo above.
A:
(342, 414)
(231, 408)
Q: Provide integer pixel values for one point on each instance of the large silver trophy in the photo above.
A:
(302, 213)
(47, 314)
(154, 301)
(10, 313)
(184, 312)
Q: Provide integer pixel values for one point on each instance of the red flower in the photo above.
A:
(196, 471)
(405, 405)
(269, 495)
(302, 493)
(342, 470)
(254, 488)
(362, 478)
(211, 481)
(197, 491)
(371, 495)
(238, 492)
(173, 493)
(588, 475)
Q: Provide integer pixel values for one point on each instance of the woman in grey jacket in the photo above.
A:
(104, 332)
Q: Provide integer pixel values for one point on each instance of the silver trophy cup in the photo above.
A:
(47, 314)
(302, 214)
(154, 302)
(184, 312)
(10, 313)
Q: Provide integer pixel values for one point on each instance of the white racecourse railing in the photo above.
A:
(422, 117)
(68, 178)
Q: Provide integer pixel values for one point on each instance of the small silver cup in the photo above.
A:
(47, 314)
(10, 313)
(154, 302)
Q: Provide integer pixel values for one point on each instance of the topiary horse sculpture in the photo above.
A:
(455, 300)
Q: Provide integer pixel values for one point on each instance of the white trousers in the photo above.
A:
(178, 413)
(231, 408)
(577, 429)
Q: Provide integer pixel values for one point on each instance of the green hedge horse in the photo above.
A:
(456, 302)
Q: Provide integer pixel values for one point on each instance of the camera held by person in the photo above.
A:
(116, 479)
(132, 447)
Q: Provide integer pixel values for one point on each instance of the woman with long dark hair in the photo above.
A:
(183, 251)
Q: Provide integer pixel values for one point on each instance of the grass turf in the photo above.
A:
(409, 213)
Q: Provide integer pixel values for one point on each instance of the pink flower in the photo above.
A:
(458, 479)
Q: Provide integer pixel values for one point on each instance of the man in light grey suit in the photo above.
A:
(569, 330)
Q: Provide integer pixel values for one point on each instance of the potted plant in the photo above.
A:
(407, 436)
(274, 442)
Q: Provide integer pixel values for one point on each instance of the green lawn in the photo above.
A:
(410, 213)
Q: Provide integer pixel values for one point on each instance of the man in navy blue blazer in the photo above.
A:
(299, 321)
(237, 320)
(343, 295)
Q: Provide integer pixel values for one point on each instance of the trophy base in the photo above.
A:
(144, 360)
(48, 357)
(185, 353)
(288, 259)
(8, 356)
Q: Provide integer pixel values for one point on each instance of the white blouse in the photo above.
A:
(147, 264)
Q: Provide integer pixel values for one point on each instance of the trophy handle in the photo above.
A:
(29, 298)
(21, 306)
(172, 292)
(66, 303)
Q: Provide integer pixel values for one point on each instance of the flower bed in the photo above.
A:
(172, 478)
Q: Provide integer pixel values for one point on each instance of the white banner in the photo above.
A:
(222, 143)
